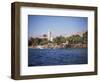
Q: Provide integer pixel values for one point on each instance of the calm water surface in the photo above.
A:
(46, 57)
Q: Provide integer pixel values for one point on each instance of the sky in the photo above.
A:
(58, 25)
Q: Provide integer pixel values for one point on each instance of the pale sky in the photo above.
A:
(58, 25)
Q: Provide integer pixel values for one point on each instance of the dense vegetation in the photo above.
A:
(74, 39)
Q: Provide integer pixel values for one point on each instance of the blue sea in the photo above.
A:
(49, 57)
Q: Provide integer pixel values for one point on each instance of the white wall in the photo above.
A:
(5, 40)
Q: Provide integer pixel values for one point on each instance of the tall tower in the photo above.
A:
(50, 36)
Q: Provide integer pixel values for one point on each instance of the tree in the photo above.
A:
(43, 42)
(59, 40)
(44, 35)
(74, 39)
(85, 37)
(29, 43)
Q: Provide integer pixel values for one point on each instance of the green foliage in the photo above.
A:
(74, 39)
(37, 41)
(29, 43)
(43, 41)
(44, 35)
(59, 40)
(85, 37)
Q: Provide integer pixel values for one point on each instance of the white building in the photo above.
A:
(50, 38)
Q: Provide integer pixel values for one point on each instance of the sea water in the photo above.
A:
(47, 57)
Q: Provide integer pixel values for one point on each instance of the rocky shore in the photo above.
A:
(76, 46)
(60, 46)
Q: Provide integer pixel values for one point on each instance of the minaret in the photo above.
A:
(50, 36)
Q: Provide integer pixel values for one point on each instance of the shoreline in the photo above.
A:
(59, 46)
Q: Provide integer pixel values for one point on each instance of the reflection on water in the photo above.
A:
(46, 57)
